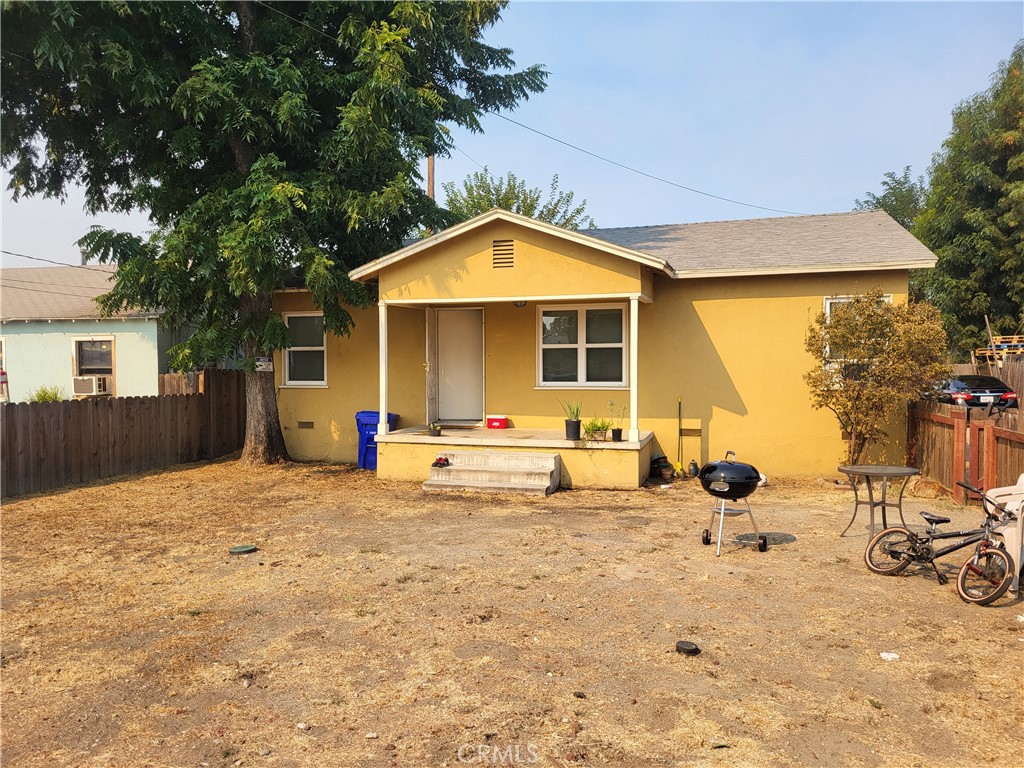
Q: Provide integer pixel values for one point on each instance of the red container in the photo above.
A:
(497, 422)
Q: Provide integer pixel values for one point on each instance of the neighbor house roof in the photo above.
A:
(849, 242)
(857, 241)
(56, 293)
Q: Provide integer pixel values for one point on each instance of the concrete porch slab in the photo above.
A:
(407, 454)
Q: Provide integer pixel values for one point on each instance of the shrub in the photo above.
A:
(47, 395)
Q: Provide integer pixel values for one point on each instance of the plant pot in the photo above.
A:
(572, 429)
(667, 473)
(597, 437)
(434, 431)
(617, 434)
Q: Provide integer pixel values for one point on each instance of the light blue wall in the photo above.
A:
(41, 354)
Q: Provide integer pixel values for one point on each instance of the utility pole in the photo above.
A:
(430, 177)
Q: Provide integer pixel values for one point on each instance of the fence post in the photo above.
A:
(959, 457)
(989, 463)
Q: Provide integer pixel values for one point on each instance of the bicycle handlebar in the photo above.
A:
(985, 497)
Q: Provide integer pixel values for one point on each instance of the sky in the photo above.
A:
(796, 107)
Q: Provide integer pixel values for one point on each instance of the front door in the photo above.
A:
(460, 365)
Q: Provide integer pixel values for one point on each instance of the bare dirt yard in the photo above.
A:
(377, 625)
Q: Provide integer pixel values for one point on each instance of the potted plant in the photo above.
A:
(597, 428)
(616, 417)
(434, 429)
(572, 410)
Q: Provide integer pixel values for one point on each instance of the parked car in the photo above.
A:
(978, 391)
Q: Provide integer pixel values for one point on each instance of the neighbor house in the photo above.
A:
(510, 316)
(52, 335)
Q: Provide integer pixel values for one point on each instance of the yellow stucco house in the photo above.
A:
(506, 315)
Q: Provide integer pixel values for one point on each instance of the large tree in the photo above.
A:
(873, 357)
(273, 143)
(902, 197)
(482, 191)
(974, 218)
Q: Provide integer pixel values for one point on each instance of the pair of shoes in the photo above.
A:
(442, 461)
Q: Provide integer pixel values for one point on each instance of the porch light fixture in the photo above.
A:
(519, 304)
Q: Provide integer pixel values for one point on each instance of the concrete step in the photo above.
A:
(502, 459)
(445, 485)
(497, 471)
(491, 475)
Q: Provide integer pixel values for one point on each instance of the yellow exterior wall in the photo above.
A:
(352, 382)
(544, 266)
(581, 468)
(732, 348)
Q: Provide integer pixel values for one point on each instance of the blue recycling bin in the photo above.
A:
(366, 423)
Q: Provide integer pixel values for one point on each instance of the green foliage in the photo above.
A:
(481, 191)
(596, 426)
(974, 218)
(274, 144)
(874, 358)
(572, 409)
(902, 197)
(47, 395)
(617, 415)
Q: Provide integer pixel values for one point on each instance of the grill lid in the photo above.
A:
(729, 479)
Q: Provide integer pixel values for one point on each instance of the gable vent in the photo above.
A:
(502, 254)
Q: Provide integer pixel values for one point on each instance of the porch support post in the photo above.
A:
(634, 368)
(382, 318)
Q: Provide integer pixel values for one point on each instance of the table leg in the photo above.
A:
(899, 502)
(856, 503)
(872, 504)
(885, 491)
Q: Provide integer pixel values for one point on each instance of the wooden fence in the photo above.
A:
(951, 443)
(190, 383)
(49, 445)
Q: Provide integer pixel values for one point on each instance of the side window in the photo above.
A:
(305, 361)
(94, 357)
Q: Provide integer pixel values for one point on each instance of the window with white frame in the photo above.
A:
(846, 367)
(582, 346)
(94, 357)
(305, 361)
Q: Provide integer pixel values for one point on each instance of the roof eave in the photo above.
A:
(690, 274)
(151, 316)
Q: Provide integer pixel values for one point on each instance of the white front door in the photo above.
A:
(460, 364)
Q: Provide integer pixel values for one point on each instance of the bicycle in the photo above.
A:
(983, 579)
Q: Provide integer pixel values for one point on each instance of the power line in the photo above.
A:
(635, 170)
(542, 133)
(51, 261)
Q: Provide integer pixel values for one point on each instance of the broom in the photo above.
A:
(679, 444)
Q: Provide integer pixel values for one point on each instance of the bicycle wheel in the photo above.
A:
(890, 551)
(985, 577)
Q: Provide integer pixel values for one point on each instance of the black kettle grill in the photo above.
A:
(728, 478)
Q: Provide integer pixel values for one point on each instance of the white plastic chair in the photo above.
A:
(1012, 497)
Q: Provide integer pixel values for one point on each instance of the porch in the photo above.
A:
(406, 454)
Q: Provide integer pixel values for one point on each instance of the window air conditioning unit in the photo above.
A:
(92, 386)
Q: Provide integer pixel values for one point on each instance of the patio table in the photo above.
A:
(871, 472)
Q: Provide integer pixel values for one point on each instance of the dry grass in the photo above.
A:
(527, 627)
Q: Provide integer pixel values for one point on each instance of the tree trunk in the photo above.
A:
(264, 440)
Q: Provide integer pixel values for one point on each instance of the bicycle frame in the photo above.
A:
(971, 536)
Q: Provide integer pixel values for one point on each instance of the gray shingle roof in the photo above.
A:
(55, 293)
(859, 240)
